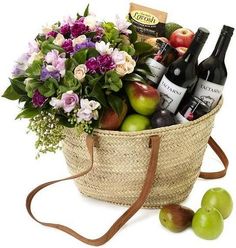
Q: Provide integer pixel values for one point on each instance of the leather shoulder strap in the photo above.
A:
(155, 143)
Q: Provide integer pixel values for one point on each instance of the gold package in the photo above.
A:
(148, 22)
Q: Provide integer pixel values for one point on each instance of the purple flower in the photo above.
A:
(86, 44)
(78, 28)
(92, 65)
(65, 30)
(106, 63)
(52, 34)
(68, 46)
(45, 74)
(99, 34)
(38, 99)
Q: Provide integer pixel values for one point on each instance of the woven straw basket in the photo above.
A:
(121, 160)
(141, 169)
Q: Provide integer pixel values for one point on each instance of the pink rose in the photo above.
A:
(69, 101)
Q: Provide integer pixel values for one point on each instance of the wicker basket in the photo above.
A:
(121, 160)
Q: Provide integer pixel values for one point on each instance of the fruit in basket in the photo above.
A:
(181, 37)
(175, 217)
(144, 99)
(170, 27)
(162, 118)
(220, 199)
(110, 120)
(207, 223)
(135, 122)
(181, 50)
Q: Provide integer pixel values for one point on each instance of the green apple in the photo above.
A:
(144, 99)
(220, 199)
(135, 122)
(208, 223)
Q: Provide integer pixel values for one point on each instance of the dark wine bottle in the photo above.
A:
(212, 71)
(181, 76)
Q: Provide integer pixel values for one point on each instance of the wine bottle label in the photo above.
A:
(157, 70)
(171, 94)
(180, 118)
(209, 92)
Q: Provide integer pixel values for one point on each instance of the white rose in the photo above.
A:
(80, 39)
(59, 40)
(127, 67)
(91, 21)
(46, 29)
(121, 70)
(103, 48)
(80, 71)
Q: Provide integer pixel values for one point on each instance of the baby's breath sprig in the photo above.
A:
(48, 131)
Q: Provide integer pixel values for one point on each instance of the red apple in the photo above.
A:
(181, 37)
(110, 120)
(181, 50)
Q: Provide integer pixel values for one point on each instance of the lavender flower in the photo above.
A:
(65, 30)
(92, 65)
(45, 74)
(78, 28)
(21, 65)
(68, 46)
(122, 25)
(38, 100)
(106, 63)
(86, 44)
(88, 110)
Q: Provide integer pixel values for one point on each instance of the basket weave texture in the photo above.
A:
(121, 160)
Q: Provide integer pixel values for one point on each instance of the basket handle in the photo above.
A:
(222, 156)
(154, 143)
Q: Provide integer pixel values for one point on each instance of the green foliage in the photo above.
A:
(86, 11)
(129, 48)
(112, 81)
(47, 89)
(98, 94)
(48, 46)
(134, 77)
(81, 56)
(70, 64)
(28, 113)
(11, 94)
(31, 86)
(116, 103)
(18, 85)
(142, 48)
(111, 33)
(34, 70)
(133, 36)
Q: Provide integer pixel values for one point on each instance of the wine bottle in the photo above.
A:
(181, 76)
(212, 71)
(160, 61)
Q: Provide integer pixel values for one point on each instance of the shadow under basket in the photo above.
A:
(121, 159)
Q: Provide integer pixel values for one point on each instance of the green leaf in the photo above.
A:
(142, 48)
(69, 79)
(18, 86)
(92, 52)
(31, 86)
(116, 103)
(64, 121)
(134, 77)
(11, 94)
(48, 46)
(112, 81)
(28, 113)
(86, 12)
(98, 94)
(70, 64)
(47, 89)
(92, 80)
(34, 70)
(81, 56)
(90, 34)
(133, 36)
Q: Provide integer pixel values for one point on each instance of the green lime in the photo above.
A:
(170, 27)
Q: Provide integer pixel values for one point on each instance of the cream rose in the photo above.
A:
(80, 39)
(127, 67)
(80, 72)
(59, 40)
(91, 21)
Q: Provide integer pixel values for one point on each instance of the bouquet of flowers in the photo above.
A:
(72, 72)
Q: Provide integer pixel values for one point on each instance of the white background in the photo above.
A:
(20, 172)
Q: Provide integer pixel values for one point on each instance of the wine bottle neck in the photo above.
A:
(221, 47)
(193, 52)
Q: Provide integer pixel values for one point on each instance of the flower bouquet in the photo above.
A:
(73, 72)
